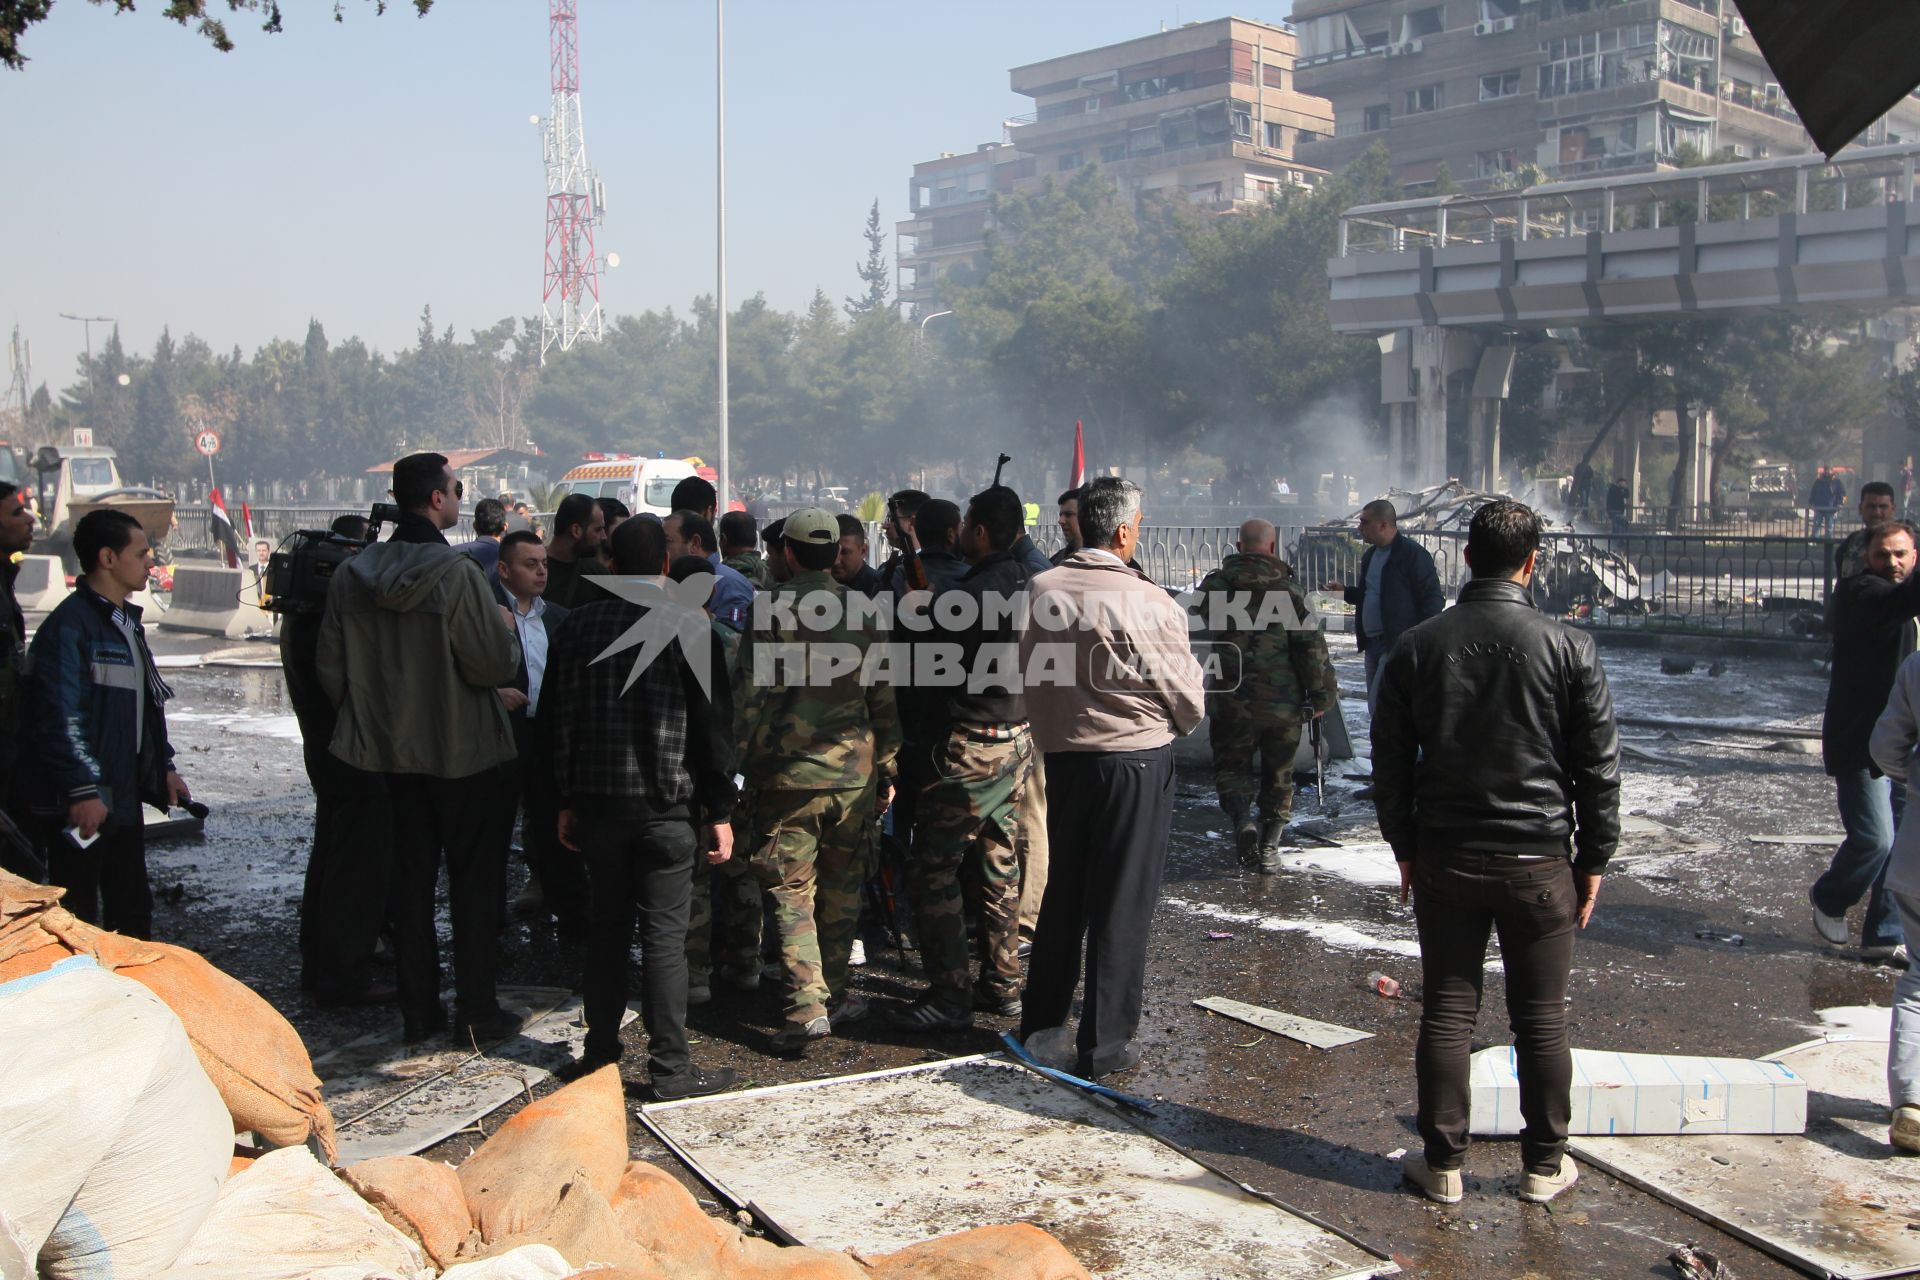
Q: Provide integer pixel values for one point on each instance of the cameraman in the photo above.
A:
(412, 648)
(344, 904)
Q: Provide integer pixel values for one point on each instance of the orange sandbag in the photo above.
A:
(662, 1216)
(584, 1231)
(239, 1164)
(252, 1054)
(1018, 1251)
(511, 1182)
(422, 1198)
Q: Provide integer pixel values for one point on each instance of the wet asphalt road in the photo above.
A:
(1311, 1127)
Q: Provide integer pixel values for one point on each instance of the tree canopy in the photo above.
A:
(18, 15)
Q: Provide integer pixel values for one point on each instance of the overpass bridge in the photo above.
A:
(1448, 283)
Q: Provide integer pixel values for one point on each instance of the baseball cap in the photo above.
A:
(810, 526)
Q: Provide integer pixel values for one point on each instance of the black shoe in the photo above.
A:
(1246, 837)
(416, 1029)
(588, 1063)
(1026, 947)
(1129, 1059)
(492, 1027)
(998, 1006)
(367, 997)
(691, 1083)
(926, 1014)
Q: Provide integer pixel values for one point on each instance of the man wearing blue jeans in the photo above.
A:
(1895, 736)
(1872, 619)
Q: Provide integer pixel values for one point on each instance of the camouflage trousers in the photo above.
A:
(965, 835)
(811, 851)
(733, 888)
(1032, 820)
(1239, 731)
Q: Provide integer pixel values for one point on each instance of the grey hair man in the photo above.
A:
(1107, 729)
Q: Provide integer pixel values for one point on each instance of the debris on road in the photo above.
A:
(1715, 935)
(1321, 1035)
(1695, 1263)
(1384, 985)
(1617, 1094)
(1821, 840)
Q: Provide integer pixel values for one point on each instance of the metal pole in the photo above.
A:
(720, 232)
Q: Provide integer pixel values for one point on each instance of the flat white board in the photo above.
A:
(879, 1161)
(1321, 1035)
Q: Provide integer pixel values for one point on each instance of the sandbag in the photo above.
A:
(288, 1218)
(422, 1198)
(583, 1230)
(1018, 1251)
(253, 1055)
(662, 1216)
(512, 1181)
(528, 1262)
(113, 1142)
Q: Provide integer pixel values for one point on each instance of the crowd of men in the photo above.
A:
(682, 718)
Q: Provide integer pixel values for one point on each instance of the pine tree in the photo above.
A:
(875, 272)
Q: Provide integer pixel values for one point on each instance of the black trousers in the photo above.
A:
(643, 866)
(106, 882)
(456, 818)
(345, 903)
(562, 872)
(1460, 898)
(1108, 818)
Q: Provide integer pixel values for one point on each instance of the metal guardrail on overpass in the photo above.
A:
(1794, 230)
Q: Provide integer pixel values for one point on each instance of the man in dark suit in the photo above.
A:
(1398, 589)
(558, 880)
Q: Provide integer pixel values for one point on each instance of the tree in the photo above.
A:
(17, 15)
(874, 273)
(157, 446)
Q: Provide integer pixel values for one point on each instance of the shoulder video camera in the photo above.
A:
(299, 573)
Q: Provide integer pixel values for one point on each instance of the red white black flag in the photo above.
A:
(223, 531)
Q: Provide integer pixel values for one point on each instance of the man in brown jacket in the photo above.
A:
(1111, 680)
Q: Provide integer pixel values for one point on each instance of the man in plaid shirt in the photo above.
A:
(644, 763)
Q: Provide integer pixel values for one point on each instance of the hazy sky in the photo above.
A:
(359, 170)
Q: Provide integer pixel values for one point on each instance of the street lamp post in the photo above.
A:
(87, 323)
(725, 470)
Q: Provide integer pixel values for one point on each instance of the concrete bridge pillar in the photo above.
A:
(1429, 358)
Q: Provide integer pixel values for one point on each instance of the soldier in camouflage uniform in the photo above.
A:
(1252, 604)
(818, 744)
(965, 820)
(733, 885)
(739, 536)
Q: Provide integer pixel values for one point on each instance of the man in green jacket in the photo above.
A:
(412, 650)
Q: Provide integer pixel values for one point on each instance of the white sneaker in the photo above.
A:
(1832, 928)
(1904, 1133)
(858, 956)
(1444, 1186)
(1536, 1188)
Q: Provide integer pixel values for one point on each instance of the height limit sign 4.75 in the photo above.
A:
(207, 442)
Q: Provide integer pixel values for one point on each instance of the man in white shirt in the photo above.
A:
(557, 882)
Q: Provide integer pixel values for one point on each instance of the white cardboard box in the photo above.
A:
(1627, 1093)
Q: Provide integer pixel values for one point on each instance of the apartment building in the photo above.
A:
(1572, 87)
(1208, 109)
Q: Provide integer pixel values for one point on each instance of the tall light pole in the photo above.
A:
(87, 322)
(720, 234)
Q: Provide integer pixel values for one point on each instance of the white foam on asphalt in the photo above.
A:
(1868, 1021)
(285, 728)
(1330, 932)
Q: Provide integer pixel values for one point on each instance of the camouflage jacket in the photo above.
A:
(1252, 603)
(749, 565)
(797, 729)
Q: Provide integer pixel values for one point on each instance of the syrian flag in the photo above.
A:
(1078, 471)
(223, 530)
(246, 517)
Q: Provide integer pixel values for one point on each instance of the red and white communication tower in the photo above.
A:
(570, 305)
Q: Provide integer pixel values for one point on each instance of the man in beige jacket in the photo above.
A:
(1111, 680)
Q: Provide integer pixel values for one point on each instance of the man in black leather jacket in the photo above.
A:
(1495, 757)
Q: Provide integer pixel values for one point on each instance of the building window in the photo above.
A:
(1428, 97)
(1272, 77)
(1495, 164)
(1302, 137)
(1276, 136)
(1423, 22)
(1154, 87)
(1070, 160)
(1113, 151)
(1144, 141)
(1242, 122)
(1501, 84)
(1377, 117)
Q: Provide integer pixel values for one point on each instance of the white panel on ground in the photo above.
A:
(876, 1162)
(1649, 1093)
(1836, 1201)
(1321, 1035)
(393, 1099)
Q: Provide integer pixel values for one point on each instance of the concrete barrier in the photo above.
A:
(214, 600)
(41, 584)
